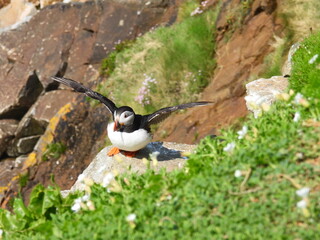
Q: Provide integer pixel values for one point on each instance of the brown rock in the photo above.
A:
(77, 128)
(237, 59)
(7, 130)
(89, 33)
(22, 88)
(22, 145)
(16, 11)
(7, 171)
(4, 3)
(37, 118)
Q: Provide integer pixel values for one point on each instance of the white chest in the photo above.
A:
(133, 141)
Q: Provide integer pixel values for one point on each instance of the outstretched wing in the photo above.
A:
(163, 113)
(87, 91)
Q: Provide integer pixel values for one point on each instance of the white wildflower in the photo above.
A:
(313, 59)
(90, 205)
(78, 200)
(138, 12)
(242, 132)
(229, 147)
(303, 192)
(131, 217)
(107, 179)
(204, 3)
(1, 233)
(76, 207)
(298, 98)
(302, 204)
(297, 117)
(85, 198)
(238, 173)
(196, 11)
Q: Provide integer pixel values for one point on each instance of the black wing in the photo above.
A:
(163, 113)
(87, 91)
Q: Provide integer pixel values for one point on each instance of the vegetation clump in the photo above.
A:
(178, 60)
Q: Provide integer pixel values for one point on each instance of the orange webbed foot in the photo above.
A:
(113, 151)
(129, 154)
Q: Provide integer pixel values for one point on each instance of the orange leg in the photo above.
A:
(113, 151)
(129, 154)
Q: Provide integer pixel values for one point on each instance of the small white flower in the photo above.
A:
(242, 132)
(107, 179)
(302, 204)
(131, 217)
(90, 205)
(78, 200)
(303, 192)
(229, 147)
(297, 117)
(238, 173)
(76, 207)
(1, 232)
(298, 98)
(138, 12)
(85, 198)
(81, 177)
(313, 59)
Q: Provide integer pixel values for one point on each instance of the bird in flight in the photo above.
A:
(128, 132)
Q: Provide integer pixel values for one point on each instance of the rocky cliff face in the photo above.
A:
(37, 116)
(239, 53)
(63, 40)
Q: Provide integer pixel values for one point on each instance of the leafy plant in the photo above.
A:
(54, 151)
(305, 77)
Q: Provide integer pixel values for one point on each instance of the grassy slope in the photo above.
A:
(179, 59)
(205, 200)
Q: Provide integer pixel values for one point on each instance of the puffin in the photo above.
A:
(128, 132)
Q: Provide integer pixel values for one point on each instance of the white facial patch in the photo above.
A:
(126, 118)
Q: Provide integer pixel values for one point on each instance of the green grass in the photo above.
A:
(301, 17)
(306, 76)
(179, 59)
(54, 151)
(205, 199)
(273, 62)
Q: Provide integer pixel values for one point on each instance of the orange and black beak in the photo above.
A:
(116, 126)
